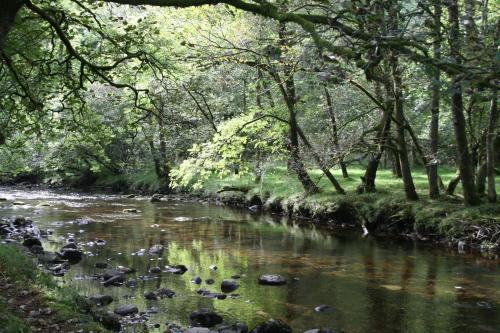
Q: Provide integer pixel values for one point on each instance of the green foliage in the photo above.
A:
(229, 150)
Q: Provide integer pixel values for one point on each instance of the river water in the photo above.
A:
(371, 285)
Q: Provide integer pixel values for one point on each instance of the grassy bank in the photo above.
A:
(385, 211)
(30, 300)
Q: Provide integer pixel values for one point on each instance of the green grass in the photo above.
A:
(278, 182)
(21, 270)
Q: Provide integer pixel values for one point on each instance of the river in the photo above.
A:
(370, 284)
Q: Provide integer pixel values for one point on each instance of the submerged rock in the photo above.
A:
(165, 293)
(205, 318)
(323, 308)
(101, 300)
(149, 295)
(209, 281)
(176, 269)
(196, 280)
(101, 265)
(156, 249)
(228, 286)
(272, 326)
(131, 210)
(155, 270)
(127, 309)
(320, 330)
(116, 280)
(272, 280)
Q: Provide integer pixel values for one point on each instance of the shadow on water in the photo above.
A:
(371, 285)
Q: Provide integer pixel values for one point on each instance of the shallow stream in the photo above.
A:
(371, 285)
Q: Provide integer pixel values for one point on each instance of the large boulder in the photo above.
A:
(272, 280)
(126, 310)
(272, 326)
(205, 318)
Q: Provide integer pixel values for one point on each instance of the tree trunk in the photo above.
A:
(8, 11)
(368, 180)
(432, 168)
(287, 88)
(409, 186)
(335, 136)
(463, 159)
(490, 149)
(452, 185)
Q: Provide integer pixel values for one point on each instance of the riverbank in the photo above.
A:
(31, 301)
(384, 213)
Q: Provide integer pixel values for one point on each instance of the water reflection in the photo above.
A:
(372, 285)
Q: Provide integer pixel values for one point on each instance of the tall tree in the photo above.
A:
(464, 160)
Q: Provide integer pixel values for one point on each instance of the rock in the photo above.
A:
(320, 330)
(127, 309)
(20, 221)
(155, 270)
(130, 196)
(176, 269)
(30, 241)
(18, 203)
(254, 208)
(48, 258)
(44, 204)
(36, 249)
(165, 293)
(100, 242)
(155, 198)
(197, 330)
(71, 254)
(131, 283)
(69, 246)
(272, 280)
(236, 328)
(125, 270)
(228, 286)
(205, 318)
(116, 280)
(108, 319)
(110, 273)
(323, 308)
(101, 300)
(101, 265)
(3, 199)
(208, 294)
(212, 267)
(149, 295)
(183, 219)
(131, 210)
(156, 249)
(236, 277)
(209, 281)
(196, 280)
(272, 326)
